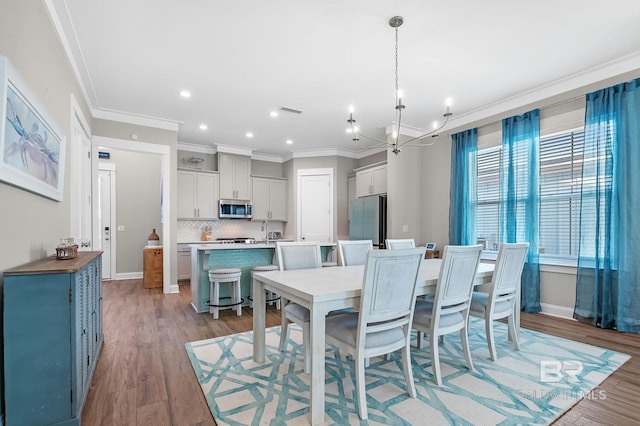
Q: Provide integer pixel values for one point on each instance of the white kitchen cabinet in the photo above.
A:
(372, 181)
(235, 177)
(269, 199)
(184, 262)
(197, 195)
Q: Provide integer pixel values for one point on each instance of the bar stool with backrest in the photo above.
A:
(216, 278)
(449, 310)
(403, 243)
(500, 301)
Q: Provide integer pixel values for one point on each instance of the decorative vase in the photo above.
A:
(154, 239)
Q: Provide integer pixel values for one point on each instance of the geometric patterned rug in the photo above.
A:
(533, 386)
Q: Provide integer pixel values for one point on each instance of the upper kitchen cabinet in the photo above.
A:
(269, 199)
(197, 195)
(235, 177)
(371, 181)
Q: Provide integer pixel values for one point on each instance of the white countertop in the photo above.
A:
(218, 246)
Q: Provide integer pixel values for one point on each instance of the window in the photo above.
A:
(560, 178)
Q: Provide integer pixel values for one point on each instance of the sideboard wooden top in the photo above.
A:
(51, 265)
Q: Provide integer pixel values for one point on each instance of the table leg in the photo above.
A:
(317, 342)
(259, 320)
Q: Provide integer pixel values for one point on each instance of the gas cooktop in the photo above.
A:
(237, 240)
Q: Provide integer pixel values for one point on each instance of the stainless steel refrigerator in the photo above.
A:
(368, 220)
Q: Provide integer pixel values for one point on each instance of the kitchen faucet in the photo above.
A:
(265, 228)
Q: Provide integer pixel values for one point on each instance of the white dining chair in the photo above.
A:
(499, 302)
(297, 255)
(383, 322)
(400, 243)
(353, 252)
(449, 310)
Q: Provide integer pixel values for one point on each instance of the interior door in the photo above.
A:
(80, 197)
(316, 215)
(106, 204)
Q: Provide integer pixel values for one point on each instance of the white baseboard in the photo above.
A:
(557, 311)
(128, 276)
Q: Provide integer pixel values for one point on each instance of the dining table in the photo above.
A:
(323, 290)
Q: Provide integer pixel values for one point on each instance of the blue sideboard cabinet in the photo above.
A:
(52, 338)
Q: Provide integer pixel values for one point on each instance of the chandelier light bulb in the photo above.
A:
(350, 109)
(435, 124)
(349, 130)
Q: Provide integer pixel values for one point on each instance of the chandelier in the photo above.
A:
(395, 143)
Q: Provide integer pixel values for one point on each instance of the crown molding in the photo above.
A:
(230, 149)
(202, 149)
(140, 120)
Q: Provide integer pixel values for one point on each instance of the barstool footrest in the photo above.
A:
(227, 305)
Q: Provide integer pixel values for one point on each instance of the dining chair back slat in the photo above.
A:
(400, 243)
(354, 252)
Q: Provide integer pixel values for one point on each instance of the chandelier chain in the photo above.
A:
(396, 64)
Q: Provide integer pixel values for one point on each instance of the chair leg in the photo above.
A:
(361, 388)
(420, 339)
(306, 334)
(408, 371)
(512, 332)
(435, 359)
(284, 326)
(216, 299)
(464, 337)
(488, 326)
(237, 297)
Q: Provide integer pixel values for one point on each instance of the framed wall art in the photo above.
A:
(32, 146)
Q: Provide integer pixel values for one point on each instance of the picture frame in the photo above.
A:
(32, 145)
(430, 246)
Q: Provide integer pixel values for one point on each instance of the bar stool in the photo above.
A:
(271, 296)
(227, 275)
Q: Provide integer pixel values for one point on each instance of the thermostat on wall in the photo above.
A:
(431, 246)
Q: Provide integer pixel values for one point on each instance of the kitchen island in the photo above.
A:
(243, 256)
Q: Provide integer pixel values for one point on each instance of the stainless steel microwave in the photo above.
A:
(235, 209)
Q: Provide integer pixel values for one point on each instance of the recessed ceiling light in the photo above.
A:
(203, 127)
(273, 113)
(249, 134)
(185, 94)
(289, 141)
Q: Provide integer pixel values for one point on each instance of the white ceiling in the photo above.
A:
(242, 59)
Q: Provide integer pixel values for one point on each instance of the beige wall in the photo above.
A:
(404, 194)
(31, 225)
(266, 168)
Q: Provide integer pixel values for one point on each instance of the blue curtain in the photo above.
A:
(608, 281)
(462, 195)
(519, 200)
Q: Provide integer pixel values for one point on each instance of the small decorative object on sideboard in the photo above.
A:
(154, 239)
(67, 249)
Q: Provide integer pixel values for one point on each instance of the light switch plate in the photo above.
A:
(120, 227)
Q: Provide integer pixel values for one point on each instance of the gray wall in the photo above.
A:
(137, 205)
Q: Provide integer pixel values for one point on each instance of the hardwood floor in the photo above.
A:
(144, 377)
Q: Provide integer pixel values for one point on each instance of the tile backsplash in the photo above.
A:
(191, 230)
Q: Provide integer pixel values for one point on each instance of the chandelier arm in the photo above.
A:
(373, 139)
(428, 133)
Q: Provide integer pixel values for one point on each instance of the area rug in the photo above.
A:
(533, 386)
